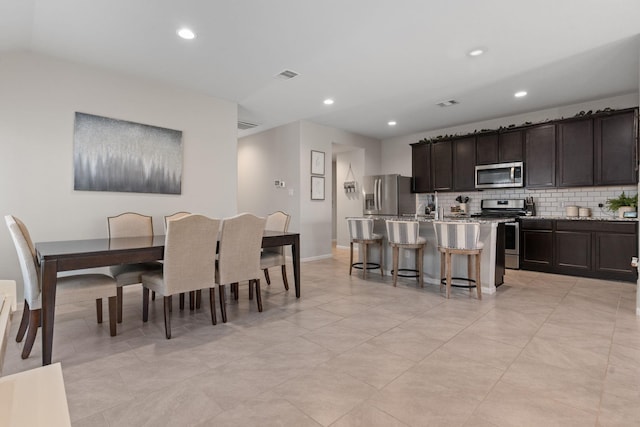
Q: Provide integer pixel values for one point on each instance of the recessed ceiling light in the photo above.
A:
(328, 101)
(476, 52)
(186, 34)
(520, 94)
(392, 123)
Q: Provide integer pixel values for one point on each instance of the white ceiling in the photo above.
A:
(379, 60)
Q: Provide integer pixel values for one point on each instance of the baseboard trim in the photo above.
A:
(315, 258)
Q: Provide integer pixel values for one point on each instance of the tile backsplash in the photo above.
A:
(549, 202)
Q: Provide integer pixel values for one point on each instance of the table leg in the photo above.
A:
(49, 273)
(295, 254)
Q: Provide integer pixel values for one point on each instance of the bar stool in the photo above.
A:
(361, 232)
(456, 238)
(404, 235)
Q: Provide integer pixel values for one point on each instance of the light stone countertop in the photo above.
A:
(579, 218)
(423, 218)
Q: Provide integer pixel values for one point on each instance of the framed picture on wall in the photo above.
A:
(317, 188)
(317, 162)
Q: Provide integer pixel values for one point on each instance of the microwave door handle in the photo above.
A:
(513, 174)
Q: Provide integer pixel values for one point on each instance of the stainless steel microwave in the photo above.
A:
(500, 175)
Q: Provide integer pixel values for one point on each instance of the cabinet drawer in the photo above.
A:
(537, 224)
(606, 226)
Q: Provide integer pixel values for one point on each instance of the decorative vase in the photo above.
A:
(623, 209)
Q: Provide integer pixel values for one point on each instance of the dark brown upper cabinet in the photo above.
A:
(464, 164)
(487, 149)
(510, 146)
(442, 165)
(616, 138)
(501, 147)
(575, 153)
(540, 152)
(421, 168)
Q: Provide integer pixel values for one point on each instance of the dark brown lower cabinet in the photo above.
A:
(599, 249)
(536, 245)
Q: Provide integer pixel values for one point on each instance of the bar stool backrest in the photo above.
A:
(403, 232)
(360, 228)
(457, 235)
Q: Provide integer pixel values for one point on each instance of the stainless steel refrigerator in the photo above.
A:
(388, 195)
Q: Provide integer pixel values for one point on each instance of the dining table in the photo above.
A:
(68, 255)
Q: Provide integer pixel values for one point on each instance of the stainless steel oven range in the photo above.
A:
(511, 209)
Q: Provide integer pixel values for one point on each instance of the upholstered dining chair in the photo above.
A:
(274, 257)
(405, 235)
(361, 232)
(77, 287)
(189, 264)
(168, 218)
(130, 224)
(239, 248)
(459, 238)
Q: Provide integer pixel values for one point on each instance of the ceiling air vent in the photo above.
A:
(448, 103)
(246, 125)
(286, 75)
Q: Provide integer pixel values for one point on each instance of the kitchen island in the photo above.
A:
(491, 235)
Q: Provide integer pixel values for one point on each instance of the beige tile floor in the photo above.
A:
(545, 350)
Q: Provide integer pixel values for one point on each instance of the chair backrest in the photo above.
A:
(403, 231)
(457, 235)
(239, 249)
(277, 221)
(171, 217)
(130, 224)
(190, 253)
(360, 228)
(27, 259)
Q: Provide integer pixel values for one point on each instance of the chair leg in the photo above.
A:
(181, 301)
(24, 322)
(381, 262)
(448, 262)
(192, 300)
(443, 272)
(284, 277)
(236, 293)
(470, 272)
(113, 307)
(266, 275)
(119, 295)
(99, 309)
(396, 254)
(167, 317)
(145, 304)
(258, 296)
(420, 262)
(198, 299)
(350, 258)
(364, 248)
(34, 323)
(478, 281)
(250, 291)
(212, 305)
(153, 295)
(223, 304)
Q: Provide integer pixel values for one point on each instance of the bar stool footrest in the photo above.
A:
(472, 282)
(407, 272)
(370, 265)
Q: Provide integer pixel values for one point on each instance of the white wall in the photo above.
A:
(348, 204)
(396, 152)
(315, 226)
(263, 158)
(38, 99)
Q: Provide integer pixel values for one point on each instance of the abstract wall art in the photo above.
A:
(121, 156)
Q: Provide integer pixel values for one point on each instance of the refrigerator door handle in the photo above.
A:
(379, 197)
